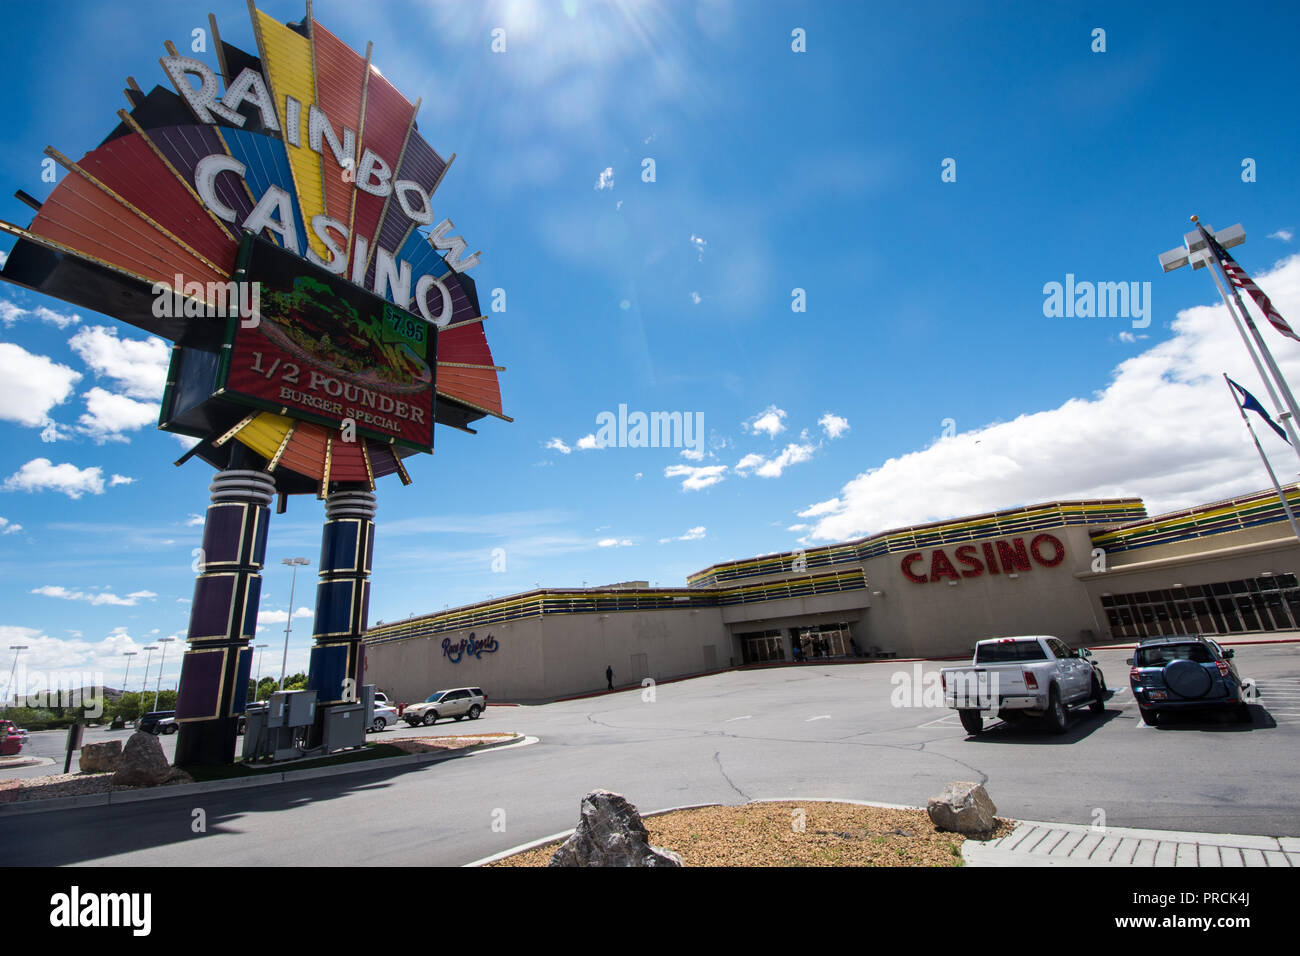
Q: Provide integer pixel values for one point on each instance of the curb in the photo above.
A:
(270, 778)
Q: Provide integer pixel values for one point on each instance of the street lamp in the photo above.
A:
(127, 676)
(295, 563)
(144, 685)
(258, 679)
(164, 641)
(17, 649)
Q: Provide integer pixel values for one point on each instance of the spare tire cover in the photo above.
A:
(1187, 678)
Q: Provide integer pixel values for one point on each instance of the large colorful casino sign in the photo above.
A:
(299, 173)
(273, 215)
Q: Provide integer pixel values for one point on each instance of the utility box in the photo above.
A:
(255, 729)
(292, 708)
(343, 725)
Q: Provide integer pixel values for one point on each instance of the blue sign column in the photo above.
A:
(343, 597)
(223, 617)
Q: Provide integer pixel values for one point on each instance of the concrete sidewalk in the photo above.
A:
(1034, 843)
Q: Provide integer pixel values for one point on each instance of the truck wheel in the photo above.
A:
(1098, 705)
(1056, 716)
(1149, 716)
(971, 721)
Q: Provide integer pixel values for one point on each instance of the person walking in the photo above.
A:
(609, 677)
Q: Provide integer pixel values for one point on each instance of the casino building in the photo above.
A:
(1089, 572)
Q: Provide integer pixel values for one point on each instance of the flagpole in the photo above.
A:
(1283, 387)
(1264, 458)
(1285, 418)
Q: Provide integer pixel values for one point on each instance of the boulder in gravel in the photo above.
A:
(101, 757)
(963, 808)
(143, 763)
(611, 833)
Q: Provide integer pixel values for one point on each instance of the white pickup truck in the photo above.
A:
(1017, 677)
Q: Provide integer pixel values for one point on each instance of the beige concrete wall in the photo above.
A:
(556, 655)
(939, 620)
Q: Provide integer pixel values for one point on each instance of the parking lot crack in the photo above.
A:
(717, 759)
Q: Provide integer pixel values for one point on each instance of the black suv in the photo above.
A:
(158, 722)
(1180, 673)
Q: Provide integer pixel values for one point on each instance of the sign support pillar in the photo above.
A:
(223, 616)
(343, 597)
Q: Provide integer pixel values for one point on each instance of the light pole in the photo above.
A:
(164, 641)
(144, 685)
(295, 563)
(1196, 252)
(127, 676)
(258, 679)
(17, 649)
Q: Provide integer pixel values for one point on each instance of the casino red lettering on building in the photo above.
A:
(1010, 556)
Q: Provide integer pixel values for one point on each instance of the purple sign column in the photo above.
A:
(343, 597)
(223, 617)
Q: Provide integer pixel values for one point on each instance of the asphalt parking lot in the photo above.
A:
(816, 731)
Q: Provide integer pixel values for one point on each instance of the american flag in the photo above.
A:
(1238, 277)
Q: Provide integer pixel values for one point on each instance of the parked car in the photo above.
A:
(12, 738)
(1017, 677)
(384, 716)
(159, 722)
(459, 703)
(1185, 673)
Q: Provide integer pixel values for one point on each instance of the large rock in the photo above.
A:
(100, 758)
(143, 763)
(611, 833)
(963, 808)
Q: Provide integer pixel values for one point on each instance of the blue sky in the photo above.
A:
(774, 170)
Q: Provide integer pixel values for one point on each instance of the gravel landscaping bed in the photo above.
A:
(424, 745)
(765, 834)
(70, 785)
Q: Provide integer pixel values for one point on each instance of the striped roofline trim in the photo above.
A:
(1218, 517)
(1055, 514)
(606, 600)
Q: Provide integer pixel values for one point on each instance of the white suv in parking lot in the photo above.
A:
(459, 703)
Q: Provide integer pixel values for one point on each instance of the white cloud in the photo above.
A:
(768, 421)
(108, 415)
(694, 534)
(1129, 338)
(7, 528)
(797, 527)
(1286, 235)
(638, 476)
(773, 467)
(606, 180)
(699, 243)
(614, 542)
(693, 454)
(696, 477)
(103, 597)
(41, 474)
(140, 365)
(588, 442)
(120, 480)
(695, 297)
(195, 521)
(559, 446)
(281, 617)
(11, 312)
(30, 385)
(833, 425)
(1163, 429)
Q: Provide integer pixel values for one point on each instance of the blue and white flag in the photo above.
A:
(1249, 402)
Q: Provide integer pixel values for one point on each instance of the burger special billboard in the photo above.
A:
(321, 348)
